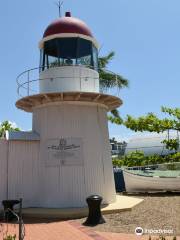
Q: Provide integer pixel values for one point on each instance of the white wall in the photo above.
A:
(69, 78)
(55, 184)
(23, 172)
(3, 170)
(68, 186)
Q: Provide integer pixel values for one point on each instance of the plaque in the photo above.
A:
(64, 152)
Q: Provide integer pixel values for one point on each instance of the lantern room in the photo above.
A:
(68, 57)
(70, 51)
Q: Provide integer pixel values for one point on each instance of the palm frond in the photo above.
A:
(104, 61)
(109, 80)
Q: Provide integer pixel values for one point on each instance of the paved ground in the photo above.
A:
(123, 203)
(157, 211)
(67, 230)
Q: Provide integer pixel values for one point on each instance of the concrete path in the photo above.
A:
(123, 203)
(67, 230)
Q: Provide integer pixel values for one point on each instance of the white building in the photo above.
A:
(67, 155)
(150, 143)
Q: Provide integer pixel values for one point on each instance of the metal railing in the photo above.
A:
(11, 216)
(28, 81)
(159, 166)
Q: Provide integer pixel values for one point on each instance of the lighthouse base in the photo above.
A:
(75, 159)
(123, 203)
(66, 159)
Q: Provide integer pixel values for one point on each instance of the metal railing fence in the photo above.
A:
(28, 81)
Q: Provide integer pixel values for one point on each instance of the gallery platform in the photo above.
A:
(123, 203)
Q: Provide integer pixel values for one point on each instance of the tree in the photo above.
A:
(152, 123)
(109, 80)
(7, 126)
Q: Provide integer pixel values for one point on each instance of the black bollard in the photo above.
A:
(94, 216)
(9, 208)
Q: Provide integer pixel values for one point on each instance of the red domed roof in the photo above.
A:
(67, 24)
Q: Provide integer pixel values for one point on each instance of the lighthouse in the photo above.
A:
(71, 156)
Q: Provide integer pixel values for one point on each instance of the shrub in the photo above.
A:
(10, 237)
(137, 158)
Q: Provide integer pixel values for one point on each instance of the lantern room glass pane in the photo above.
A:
(41, 59)
(68, 51)
(84, 52)
(95, 57)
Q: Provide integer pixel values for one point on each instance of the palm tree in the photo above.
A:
(7, 126)
(109, 80)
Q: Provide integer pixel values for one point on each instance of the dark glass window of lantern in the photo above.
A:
(84, 52)
(68, 51)
(95, 57)
(41, 58)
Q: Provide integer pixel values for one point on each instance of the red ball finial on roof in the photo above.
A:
(67, 24)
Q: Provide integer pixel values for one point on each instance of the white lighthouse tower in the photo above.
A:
(73, 159)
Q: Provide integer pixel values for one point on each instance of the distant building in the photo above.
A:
(117, 148)
(150, 143)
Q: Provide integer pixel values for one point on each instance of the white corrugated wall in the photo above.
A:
(3, 170)
(23, 172)
(68, 186)
(59, 185)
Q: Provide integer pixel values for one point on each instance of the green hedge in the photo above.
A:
(137, 158)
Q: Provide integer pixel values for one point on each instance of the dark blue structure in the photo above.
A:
(119, 180)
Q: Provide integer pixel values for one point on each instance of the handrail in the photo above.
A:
(39, 79)
(38, 68)
(24, 80)
(151, 166)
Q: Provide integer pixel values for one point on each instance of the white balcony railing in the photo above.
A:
(28, 81)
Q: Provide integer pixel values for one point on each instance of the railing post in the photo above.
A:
(20, 220)
(28, 84)
(80, 83)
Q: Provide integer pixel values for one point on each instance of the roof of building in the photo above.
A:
(22, 136)
(67, 24)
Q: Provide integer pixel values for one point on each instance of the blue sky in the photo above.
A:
(144, 34)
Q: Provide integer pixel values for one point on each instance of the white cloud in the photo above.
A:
(14, 125)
